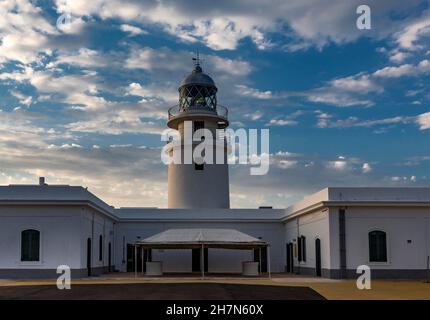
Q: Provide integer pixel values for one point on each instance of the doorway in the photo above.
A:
(290, 258)
(110, 257)
(263, 262)
(89, 250)
(131, 263)
(147, 257)
(196, 259)
(318, 257)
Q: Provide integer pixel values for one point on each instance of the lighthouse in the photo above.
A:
(197, 184)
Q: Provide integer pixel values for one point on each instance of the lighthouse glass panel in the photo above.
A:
(196, 97)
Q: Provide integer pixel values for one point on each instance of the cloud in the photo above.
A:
(394, 72)
(292, 176)
(302, 23)
(336, 98)
(233, 67)
(156, 94)
(404, 70)
(254, 93)
(359, 84)
(325, 121)
(23, 99)
(164, 59)
(121, 176)
(77, 100)
(76, 90)
(398, 56)
(339, 164)
(345, 92)
(409, 36)
(83, 58)
(151, 59)
(116, 123)
(352, 90)
(282, 122)
(366, 168)
(24, 32)
(126, 176)
(254, 116)
(132, 30)
(423, 121)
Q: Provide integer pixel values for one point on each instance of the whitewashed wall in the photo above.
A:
(63, 234)
(401, 224)
(92, 225)
(60, 237)
(312, 226)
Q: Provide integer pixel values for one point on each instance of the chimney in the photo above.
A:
(42, 181)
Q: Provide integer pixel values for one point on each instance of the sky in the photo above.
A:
(84, 103)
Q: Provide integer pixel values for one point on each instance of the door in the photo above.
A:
(196, 260)
(288, 262)
(263, 261)
(147, 257)
(131, 259)
(290, 258)
(110, 257)
(89, 250)
(318, 257)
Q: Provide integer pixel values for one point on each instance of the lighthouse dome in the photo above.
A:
(197, 77)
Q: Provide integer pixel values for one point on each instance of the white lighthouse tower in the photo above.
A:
(199, 185)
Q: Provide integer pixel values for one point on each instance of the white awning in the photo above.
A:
(195, 238)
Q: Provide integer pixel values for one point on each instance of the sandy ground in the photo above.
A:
(328, 288)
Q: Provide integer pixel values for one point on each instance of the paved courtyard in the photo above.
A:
(280, 286)
(164, 291)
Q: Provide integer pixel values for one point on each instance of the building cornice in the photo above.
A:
(61, 202)
(375, 203)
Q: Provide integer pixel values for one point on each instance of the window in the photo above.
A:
(100, 248)
(30, 245)
(377, 246)
(301, 248)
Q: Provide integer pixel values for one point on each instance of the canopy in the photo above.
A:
(195, 238)
(201, 238)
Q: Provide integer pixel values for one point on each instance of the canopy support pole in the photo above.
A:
(268, 254)
(143, 260)
(259, 260)
(202, 259)
(135, 261)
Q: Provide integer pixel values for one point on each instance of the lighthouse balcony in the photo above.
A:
(219, 111)
(178, 113)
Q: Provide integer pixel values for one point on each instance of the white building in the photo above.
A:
(327, 234)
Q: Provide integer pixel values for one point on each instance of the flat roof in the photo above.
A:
(195, 214)
(23, 194)
(361, 195)
(331, 196)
